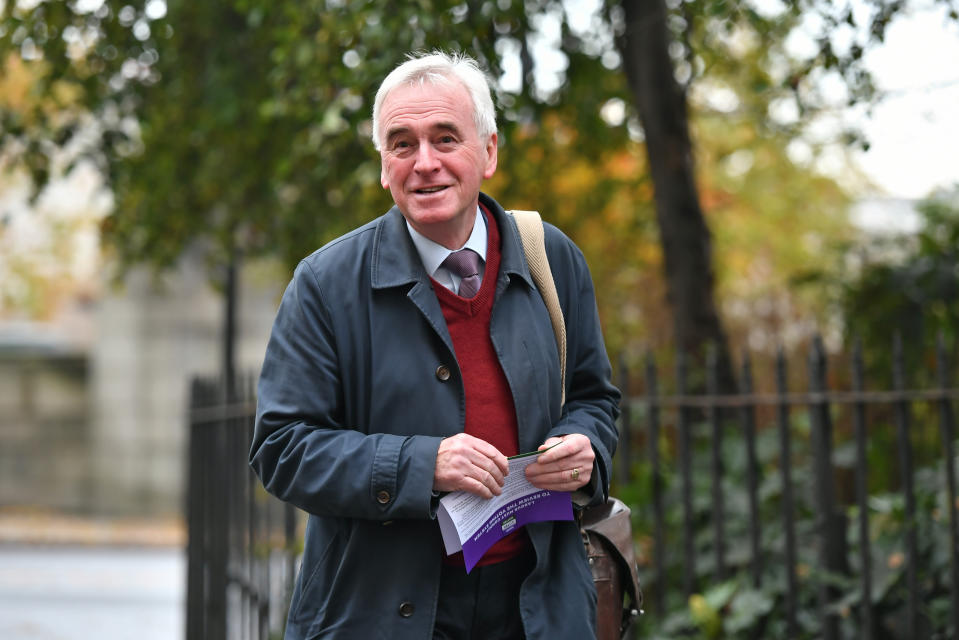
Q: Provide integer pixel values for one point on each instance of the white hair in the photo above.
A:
(440, 67)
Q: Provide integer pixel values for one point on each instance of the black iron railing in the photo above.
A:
(676, 444)
(679, 455)
(242, 542)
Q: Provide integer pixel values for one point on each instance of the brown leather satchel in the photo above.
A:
(607, 534)
(606, 529)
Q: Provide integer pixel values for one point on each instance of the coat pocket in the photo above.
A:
(310, 597)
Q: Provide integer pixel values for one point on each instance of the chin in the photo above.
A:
(438, 211)
(432, 216)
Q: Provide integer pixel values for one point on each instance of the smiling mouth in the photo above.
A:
(429, 190)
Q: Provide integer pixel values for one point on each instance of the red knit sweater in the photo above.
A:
(490, 414)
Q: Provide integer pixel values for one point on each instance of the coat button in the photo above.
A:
(443, 373)
(406, 609)
(383, 497)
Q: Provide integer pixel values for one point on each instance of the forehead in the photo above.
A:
(427, 106)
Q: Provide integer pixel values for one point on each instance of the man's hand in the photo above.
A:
(566, 466)
(466, 463)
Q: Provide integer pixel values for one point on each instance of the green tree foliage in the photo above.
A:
(49, 240)
(244, 124)
(909, 281)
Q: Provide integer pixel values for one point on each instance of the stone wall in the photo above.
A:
(152, 338)
(101, 428)
(44, 429)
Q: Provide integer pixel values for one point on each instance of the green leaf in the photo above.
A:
(746, 610)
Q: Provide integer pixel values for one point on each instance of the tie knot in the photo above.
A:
(464, 263)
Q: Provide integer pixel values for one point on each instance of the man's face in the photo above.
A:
(433, 161)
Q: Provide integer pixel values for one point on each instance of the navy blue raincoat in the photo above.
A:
(359, 386)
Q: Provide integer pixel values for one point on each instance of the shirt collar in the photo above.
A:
(433, 254)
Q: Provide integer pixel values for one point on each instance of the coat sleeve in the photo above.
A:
(302, 451)
(592, 402)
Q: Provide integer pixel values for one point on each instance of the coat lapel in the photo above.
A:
(395, 263)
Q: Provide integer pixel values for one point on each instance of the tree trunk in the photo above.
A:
(685, 238)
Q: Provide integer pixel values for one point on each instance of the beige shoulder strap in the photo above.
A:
(534, 246)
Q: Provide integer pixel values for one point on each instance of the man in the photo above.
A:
(394, 375)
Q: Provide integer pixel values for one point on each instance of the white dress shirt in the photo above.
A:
(433, 254)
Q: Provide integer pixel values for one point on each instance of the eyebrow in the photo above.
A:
(394, 133)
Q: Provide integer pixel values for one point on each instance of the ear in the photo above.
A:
(384, 181)
(491, 158)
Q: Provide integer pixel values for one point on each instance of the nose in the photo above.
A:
(426, 159)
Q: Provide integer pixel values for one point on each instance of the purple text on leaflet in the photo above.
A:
(536, 507)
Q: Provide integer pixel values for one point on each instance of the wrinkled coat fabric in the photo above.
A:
(354, 399)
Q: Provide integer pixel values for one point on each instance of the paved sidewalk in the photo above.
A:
(65, 577)
(94, 592)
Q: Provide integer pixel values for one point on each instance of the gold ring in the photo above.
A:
(574, 474)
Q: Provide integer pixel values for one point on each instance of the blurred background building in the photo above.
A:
(94, 400)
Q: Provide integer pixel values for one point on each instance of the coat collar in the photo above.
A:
(395, 261)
